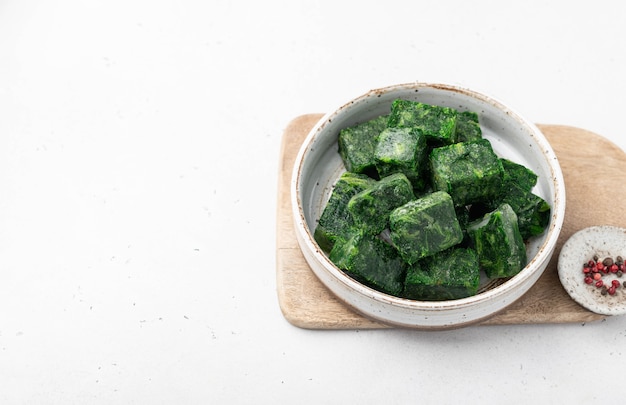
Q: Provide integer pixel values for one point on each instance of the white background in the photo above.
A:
(139, 145)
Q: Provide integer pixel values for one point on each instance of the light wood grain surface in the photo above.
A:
(590, 163)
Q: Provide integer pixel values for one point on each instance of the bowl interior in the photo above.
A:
(510, 135)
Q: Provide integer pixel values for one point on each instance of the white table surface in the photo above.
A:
(139, 147)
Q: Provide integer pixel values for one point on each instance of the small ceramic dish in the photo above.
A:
(318, 166)
(603, 241)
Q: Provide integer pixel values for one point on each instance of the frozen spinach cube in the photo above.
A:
(468, 171)
(370, 208)
(402, 150)
(425, 226)
(437, 123)
(335, 221)
(357, 144)
(448, 275)
(517, 175)
(371, 261)
(468, 127)
(498, 242)
(533, 212)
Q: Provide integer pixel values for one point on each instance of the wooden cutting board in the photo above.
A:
(592, 167)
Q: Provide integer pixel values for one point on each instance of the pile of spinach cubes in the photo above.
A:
(426, 205)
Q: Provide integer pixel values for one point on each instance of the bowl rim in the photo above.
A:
(534, 264)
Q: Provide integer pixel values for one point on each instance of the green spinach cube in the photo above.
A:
(425, 226)
(533, 212)
(518, 176)
(357, 144)
(370, 208)
(402, 150)
(437, 123)
(448, 275)
(468, 171)
(335, 221)
(371, 261)
(498, 242)
(468, 127)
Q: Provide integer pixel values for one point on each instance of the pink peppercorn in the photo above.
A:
(593, 271)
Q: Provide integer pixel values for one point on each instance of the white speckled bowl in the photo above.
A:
(318, 165)
(604, 241)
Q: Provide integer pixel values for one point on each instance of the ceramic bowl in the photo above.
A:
(318, 165)
(603, 241)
